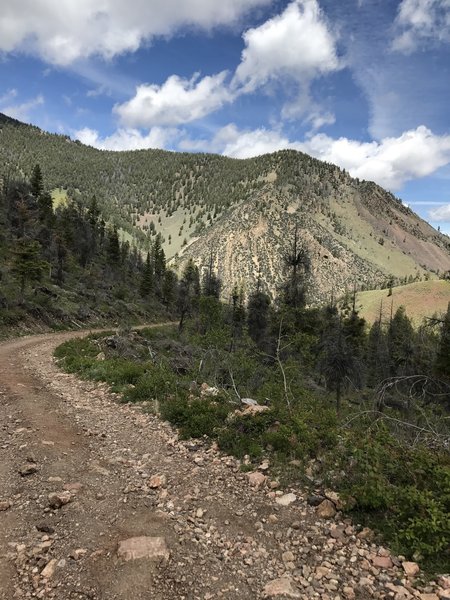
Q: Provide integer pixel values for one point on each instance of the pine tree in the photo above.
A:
(377, 355)
(442, 365)
(188, 292)
(298, 264)
(147, 277)
(258, 308)
(401, 344)
(113, 247)
(36, 182)
(338, 363)
(169, 288)
(28, 265)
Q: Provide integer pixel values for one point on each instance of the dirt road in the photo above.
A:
(220, 534)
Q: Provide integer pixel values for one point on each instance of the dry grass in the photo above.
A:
(422, 299)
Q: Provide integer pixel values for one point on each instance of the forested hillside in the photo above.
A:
(66, 267)
(243, 213)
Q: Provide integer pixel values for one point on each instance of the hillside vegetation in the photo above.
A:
(241, 214)
(64, 267)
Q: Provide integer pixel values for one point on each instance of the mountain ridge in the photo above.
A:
(241, 211)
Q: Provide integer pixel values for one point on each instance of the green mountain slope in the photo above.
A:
(240, 212)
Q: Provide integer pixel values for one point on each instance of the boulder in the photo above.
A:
(286, 499)
(281, 587)
(326, 510)
(144, 547)
(382, 562)
(256, 479)
(411, 568)
(28, 469)
(157, 481)
(58, 499)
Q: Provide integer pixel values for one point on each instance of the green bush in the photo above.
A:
(194, 418)
(155, 384)
(403, 491)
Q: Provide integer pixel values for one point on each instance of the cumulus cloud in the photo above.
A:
(391, 161)
(419, 21)
(441, 214)
(174, 102)
(127, 139)
(248, 143)
(65, 31)
(296, 45)
(21, 110)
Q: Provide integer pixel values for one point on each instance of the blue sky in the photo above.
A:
(361, 83)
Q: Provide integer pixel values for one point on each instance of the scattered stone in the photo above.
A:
(47, 443)
(28, 469)
(5, 505)
(208, 391)
(157, 481)
(256, 479)
(58, 499)
(444, 582)
(281, 587)
(49, 570)
(349, 593)
(315, 500)
(288, 556)
(286, 499)
(100, 356)
(366, 534)
(326, 510)
(335, 499)
(44, 528)
(150, 548)
(411, 568)
(254, 409)
(74, 488)
(429, 597)
(382, 562)
(78, 553)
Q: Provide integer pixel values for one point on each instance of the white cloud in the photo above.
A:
(127, 139)
(296, 45)
(391, 161)
(68, 30)
(245, 144)
(19, 111)
(176, 101)
(421, 20)
(441, 214)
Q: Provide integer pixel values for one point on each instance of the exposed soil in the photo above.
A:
(226, 538)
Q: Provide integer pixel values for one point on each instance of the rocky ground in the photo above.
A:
(101, 501)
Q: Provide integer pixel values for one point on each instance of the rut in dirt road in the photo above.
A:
(96, 474)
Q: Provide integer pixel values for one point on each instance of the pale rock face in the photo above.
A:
(144, 547)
